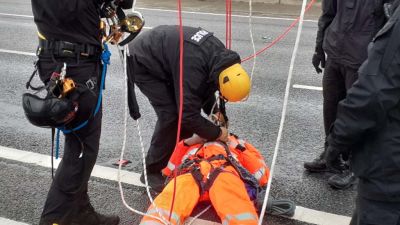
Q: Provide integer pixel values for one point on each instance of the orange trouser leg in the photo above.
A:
(186, 197)
(229, 197)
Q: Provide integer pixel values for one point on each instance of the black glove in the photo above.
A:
(318, 58)
(332, 158)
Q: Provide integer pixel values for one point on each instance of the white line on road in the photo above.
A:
(302, 214)
(5, 221)
(16, 15)
(17, 52)
(307, 87)
(220, 14)
(187, 12)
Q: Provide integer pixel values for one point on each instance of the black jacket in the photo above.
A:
(204, 58)
(368, 120)
(76, 21)
(346, 27)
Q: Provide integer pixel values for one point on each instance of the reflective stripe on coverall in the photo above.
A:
(227, 193)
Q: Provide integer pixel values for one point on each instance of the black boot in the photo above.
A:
(317, 165)
(88, 216)
(342, 181)
(156, 181)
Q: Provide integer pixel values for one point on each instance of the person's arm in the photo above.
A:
(195, 85)
(372, 97)
(328, 14)
(326, 18)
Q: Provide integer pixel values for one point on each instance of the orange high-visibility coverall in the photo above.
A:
(227, 193)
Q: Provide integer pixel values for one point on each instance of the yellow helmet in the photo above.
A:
(234, 83)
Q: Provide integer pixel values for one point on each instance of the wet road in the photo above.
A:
(24, 186)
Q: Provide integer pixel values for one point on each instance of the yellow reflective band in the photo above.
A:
(239, 217)
(41, 36)
(164, 212)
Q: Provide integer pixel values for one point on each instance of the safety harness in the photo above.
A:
(192, 165)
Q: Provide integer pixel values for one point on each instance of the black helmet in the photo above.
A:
(48, 112)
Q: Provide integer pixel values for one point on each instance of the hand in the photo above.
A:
(195, 139)
(219, 119)
(224, 136)
(332, 157)
(318, 58)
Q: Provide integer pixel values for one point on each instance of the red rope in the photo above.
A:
(180, 96)
(280, 37)
(228, 26)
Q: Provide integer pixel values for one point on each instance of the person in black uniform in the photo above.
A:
(207, 67)
(368, 128)
(344, 30)
(69, 32)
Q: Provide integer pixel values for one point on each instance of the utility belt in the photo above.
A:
(67, 49)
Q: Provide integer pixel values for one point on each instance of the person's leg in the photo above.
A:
(68, 193)
(333, 91)
(346, 178)
(187, 195)
(229, 197)
(371, 212)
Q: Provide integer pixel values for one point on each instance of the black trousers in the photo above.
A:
(68, 191)
(337, 79)
(371, 212)
(161, 95)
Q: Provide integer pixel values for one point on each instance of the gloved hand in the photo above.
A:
(318, 59)
(332, 156)
(195, 139)
(224, 136)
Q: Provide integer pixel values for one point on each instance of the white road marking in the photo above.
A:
(220, 14)
(187, 12)
(16, 15)
(17, 52)
(307, 87)
(302, 214)
(5, 221)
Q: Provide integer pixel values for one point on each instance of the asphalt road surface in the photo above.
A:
(24, 185)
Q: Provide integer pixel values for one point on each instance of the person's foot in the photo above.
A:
(88, 216)
(156, 181)
(318, 165)
(343, 180)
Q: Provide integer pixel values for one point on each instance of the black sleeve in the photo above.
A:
(126, 4)
(373, 96)
(328, 13)
(193, 89)
(208, 104)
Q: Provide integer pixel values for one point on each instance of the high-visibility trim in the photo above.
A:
(171, 166)
(259, 173)
(41, 36)
(191, 152)
(152, 222)
(239, 217)
(246, 216)
(241, 142)
(213, 143)
(174, 216)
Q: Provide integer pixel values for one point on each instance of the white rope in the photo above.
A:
(285, 102)
(133, 5)
(161, 218)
